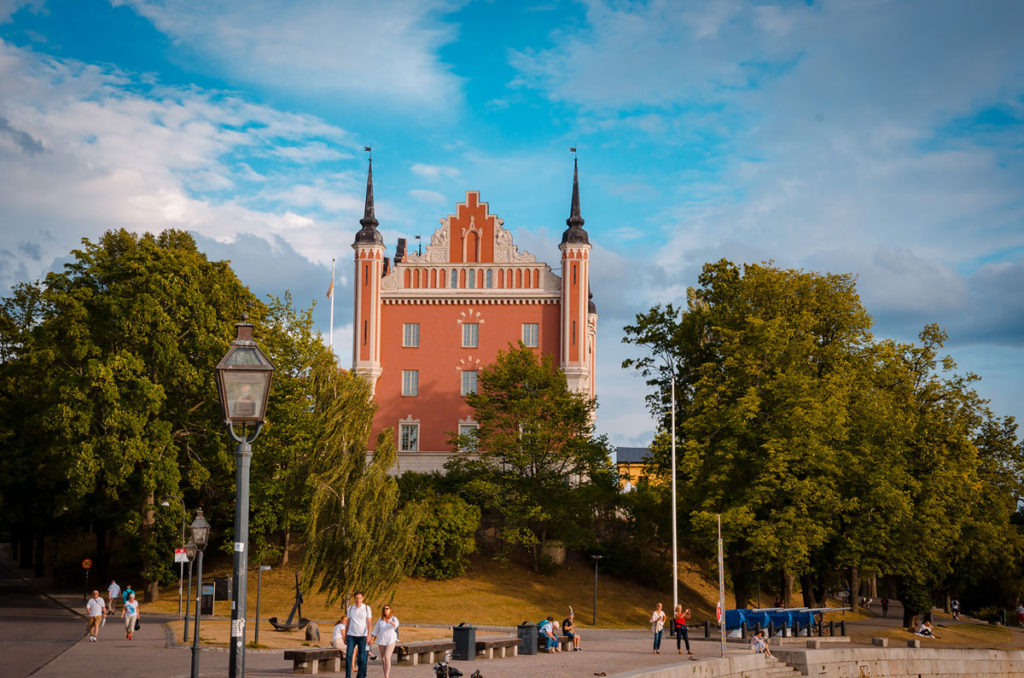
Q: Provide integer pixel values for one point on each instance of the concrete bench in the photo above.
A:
(423, 651)
(315, 660)
(506, 647)
(914, 642)
(880, 642)
(564, 643)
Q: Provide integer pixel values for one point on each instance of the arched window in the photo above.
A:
(455, 278)
(489, 277)
(471, 279)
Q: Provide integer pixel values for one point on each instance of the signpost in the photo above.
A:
(87, 565)
(180, 557)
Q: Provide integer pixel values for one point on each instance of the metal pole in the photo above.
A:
(236, 658)
(188, 600)
(721, 580)
(195, 633)
(181, 581)
(675, 552)
(594, 621)
(330, 337)
(259, 586)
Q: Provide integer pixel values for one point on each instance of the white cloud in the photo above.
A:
(82, 150)
(376, 50)
(434, 172)
(428, 197)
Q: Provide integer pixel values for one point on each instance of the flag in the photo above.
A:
(572, 149)
(366, 148)
(330, 290)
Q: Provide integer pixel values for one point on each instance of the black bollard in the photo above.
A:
(707, 629)
(821, 627)
(842, 628)
(796, 629)
(832, 628)
(783, 629)
(743, 629)
(771, 629)
(757, 627)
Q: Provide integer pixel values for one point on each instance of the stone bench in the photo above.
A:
(506, 647)
(880, 642)
(564, 643)
(315, 660)
(423, 651)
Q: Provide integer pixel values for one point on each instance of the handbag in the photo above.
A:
(138, 624)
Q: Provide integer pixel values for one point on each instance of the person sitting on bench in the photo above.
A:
(546, 633)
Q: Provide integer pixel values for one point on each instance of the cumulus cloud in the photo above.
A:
(83, 150)
(381, 50)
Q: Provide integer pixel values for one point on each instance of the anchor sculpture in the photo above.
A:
(289, 624)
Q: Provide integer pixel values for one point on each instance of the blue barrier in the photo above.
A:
(777, 617)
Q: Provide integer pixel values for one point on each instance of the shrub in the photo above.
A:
(446, 537)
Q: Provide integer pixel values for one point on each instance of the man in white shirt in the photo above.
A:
(358, 627)
(113, 594)
(95, 608)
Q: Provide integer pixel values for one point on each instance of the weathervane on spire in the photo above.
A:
(368, 150)
(572, 149)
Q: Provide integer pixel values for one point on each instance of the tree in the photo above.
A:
(357, 536)
(281, 489)
(533, 458)
(764, 359)
(122, 408)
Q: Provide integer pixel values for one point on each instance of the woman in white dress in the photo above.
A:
(385, 634)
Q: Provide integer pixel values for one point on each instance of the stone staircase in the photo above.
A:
(776, 668)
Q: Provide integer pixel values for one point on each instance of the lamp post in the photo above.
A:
(259, 585)
(200, 535)
(190, 552)
(597, 559)
(243, 382)
(670, 363)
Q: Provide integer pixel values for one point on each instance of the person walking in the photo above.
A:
(95, 609)
(131, 615)
(955, 607)
(679, 618)
(885, 607)
(338, 637)
(385, 633)
(113, 595)
(657, 627)
(127, 592)
(359, 619)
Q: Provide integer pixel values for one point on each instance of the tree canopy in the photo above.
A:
(818, 445)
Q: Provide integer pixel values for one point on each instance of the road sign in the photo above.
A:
(86, 564)
(718, 612)
(180, 556)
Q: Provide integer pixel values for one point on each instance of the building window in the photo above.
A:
(411, 335)
(455, 278)
(488, 278)
(471, 279)
(409, 437)
(410, 382)
(470, 335)
(468, 382)
(531, 334)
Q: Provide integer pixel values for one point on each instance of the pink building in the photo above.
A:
(426, 324)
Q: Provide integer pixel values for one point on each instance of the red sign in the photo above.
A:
(86, 564)
(718, 612)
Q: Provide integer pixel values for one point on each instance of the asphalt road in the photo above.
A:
(33, 629)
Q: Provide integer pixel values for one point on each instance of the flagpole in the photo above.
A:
(330, 339)
(721, 581)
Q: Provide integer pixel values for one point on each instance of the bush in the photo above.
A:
(446, 537)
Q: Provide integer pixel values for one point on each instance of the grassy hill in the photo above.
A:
(490, 593)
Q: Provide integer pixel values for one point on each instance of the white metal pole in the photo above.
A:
(721, 580)
(330, 339)
(675, 552)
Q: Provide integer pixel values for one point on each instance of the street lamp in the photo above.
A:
(259, 585)
(243, 382)
(597, 559)
(181, 570)
(670, 363)
(200, 535)
(190, 553)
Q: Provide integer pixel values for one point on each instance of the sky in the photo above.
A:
(879, 138)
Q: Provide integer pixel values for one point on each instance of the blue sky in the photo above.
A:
(880, 138)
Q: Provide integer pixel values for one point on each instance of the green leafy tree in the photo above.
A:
(446, 537)
(533, 460)
(765, 367)
(122, 344)
(357, 535)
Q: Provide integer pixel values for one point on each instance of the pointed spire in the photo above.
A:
(369, 233)
(575, 233)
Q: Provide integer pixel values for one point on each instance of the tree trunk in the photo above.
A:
(148, 523)
(287, 543)
(102, 559)
(807, 588)
(39, 556)
(787, 588)
(742, 589)
(854, 601)
(874, 586)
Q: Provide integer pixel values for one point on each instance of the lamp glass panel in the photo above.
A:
(246, 356)
(245, 393)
